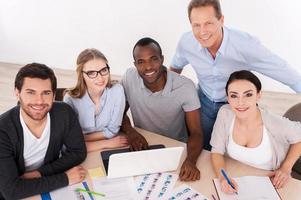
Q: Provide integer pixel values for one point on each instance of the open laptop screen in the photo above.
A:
(105, 155)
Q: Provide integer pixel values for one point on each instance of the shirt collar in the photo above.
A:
(223, 46)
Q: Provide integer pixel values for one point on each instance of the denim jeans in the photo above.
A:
(209, 110)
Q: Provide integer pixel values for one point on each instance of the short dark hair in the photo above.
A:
(146, 41)
(244, 75)
(202, 3)
(35, 70)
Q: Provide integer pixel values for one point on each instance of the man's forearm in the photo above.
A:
(179, 71)
(126, 125)
(194, 148)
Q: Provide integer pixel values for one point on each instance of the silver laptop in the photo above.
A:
(144, 162)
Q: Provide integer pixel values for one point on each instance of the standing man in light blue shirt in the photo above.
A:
(215, 51)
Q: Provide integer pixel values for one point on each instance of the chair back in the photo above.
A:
(294, 114)
(59, 94)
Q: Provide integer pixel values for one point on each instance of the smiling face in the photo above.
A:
(206, 27)
(98, 84)
(243, 97)
(36, 98)
(149, 64)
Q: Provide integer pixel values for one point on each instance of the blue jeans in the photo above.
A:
(209, 110)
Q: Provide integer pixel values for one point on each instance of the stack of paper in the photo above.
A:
(69, 193)
(146, 187)
(116, 188)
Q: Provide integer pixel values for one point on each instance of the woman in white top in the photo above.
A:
(252, 135)
(98, 104)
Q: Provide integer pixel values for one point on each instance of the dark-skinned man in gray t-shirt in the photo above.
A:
(163, 102)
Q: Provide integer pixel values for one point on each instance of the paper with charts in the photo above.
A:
(155, 186)
(250, 188)
(161, 186)
(184, 192)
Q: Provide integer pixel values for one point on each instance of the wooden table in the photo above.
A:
(291, 191)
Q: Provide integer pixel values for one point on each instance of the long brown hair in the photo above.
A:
(86, 55)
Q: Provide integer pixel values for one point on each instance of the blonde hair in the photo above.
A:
(86, 55)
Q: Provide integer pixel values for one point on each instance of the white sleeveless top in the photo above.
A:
(259, 157)
(35, 148)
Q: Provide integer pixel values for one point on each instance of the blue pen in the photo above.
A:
(45, 196)
(87, 188)
(227, 179)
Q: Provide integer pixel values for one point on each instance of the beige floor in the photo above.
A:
(275, 101)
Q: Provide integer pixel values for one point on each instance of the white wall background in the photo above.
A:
(55, 31)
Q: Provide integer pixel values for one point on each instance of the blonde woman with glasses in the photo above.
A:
(98, 104)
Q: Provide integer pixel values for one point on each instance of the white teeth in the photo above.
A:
(38, 107)
(150, 73)
(242, 109)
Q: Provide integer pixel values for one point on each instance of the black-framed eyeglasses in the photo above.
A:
(93, 74)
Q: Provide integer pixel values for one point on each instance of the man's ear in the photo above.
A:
(162, 58)
(17, 93)
(222, 20)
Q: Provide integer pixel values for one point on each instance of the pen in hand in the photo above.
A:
(228, 180)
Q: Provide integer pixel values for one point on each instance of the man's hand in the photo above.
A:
(136, 141)
(32, 174)
(189, 171)
(76, 174)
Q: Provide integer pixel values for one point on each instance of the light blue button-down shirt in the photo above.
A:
(109, 119)
(238, 51)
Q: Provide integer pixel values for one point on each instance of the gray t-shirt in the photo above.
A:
(162, 112)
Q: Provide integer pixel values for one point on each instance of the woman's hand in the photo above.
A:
(226, 188)
(117, 141)
(280, 177)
